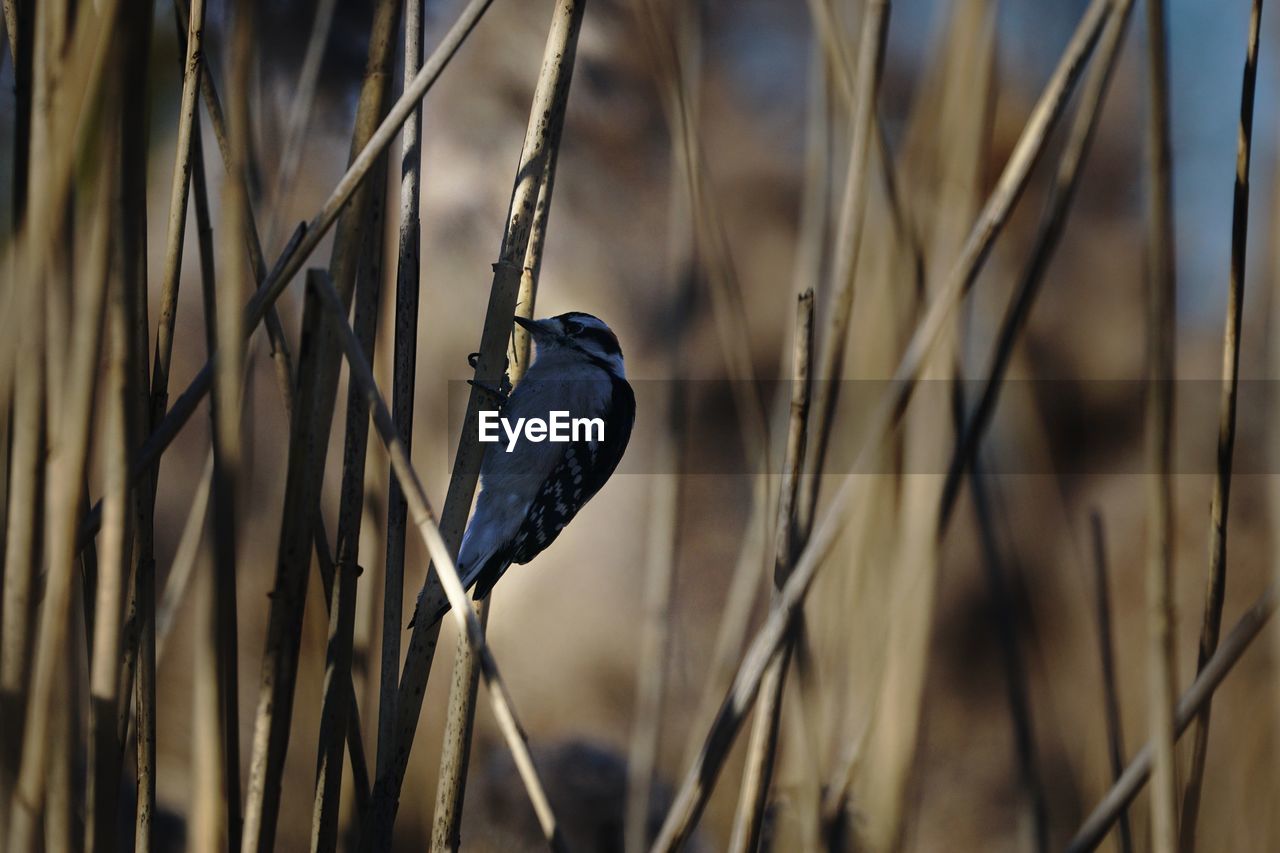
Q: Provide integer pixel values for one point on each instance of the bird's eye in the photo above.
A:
(573, 327)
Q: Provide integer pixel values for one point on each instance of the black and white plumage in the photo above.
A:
(529, 494)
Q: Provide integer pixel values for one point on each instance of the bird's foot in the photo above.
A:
(500, 393)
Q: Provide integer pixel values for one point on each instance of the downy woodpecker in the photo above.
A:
(528, 493)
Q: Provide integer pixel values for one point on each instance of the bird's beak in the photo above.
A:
(537, 328)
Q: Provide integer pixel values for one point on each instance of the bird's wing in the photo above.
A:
(582, 469)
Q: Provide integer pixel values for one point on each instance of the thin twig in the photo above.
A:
(848, 237)
(1215, 591)
(1110, 691)
(1161, 370)
(762, 752)
(424, 519)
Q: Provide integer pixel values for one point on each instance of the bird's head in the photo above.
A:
(577, 333)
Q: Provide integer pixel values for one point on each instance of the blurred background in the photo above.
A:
(1011, 748)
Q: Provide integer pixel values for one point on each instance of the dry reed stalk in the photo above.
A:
(1110, 690)
(60, 806)
(762, 751)
(696, 785)
(451, 781)
(336, 704)
(1208, 679)
(848, 239)
(66, 470)
(25, 485)
(459, 728)
(67, 114)
(26, 479)
(179, 191)
(1048, 235)
(1161, 323)
(424, 520)
(306, 238)
(116, 547)
(1215, 591)
(404, 377)
(308, 442)
(209, 789)
(229, 453)
(137, 671)
(542, 138)
(339, 696)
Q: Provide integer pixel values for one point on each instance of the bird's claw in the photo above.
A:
(500, 393)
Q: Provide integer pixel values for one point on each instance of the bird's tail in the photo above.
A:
(469, 566)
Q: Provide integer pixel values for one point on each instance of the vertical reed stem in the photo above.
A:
(1215, 590)
(1161, 322)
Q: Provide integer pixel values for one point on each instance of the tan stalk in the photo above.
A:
(848, 240)
(1161, 371)
(762, 750)
(1215, 591)
(542, 136)
(66, 469)
(408, 275)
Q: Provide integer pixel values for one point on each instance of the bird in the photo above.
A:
(532, 490)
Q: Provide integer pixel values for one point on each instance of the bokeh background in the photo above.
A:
(958, 84)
